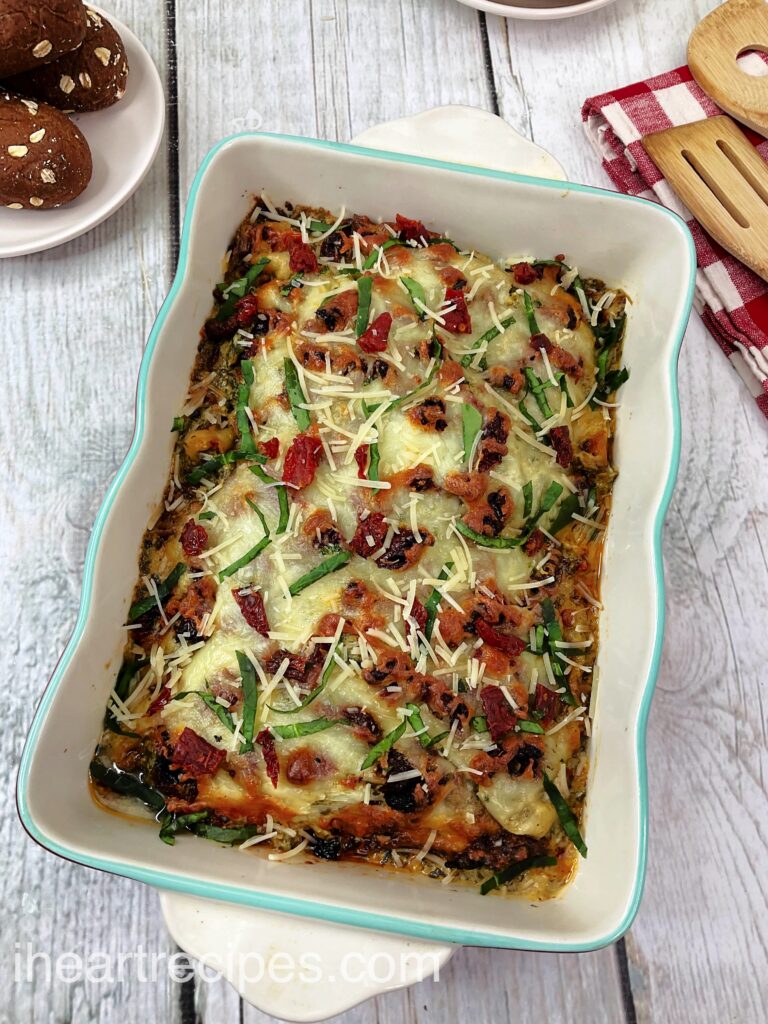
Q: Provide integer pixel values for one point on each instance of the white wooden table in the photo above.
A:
(73, 323)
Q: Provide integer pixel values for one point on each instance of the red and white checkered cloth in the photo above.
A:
(732, 300)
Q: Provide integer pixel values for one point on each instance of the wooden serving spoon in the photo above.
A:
(715, 43)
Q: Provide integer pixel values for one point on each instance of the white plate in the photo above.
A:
(124, 140)
(537, 9)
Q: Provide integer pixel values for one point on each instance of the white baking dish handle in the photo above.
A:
(296, 969)
(307, 970)
(464, 135)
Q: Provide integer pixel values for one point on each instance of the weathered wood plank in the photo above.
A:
(329, 68)
(74, 321)
(699, 947)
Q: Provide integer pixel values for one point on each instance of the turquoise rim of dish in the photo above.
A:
(306, 908)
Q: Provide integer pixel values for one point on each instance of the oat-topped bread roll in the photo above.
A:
(89, 78)
(32, 34)
(44, 158)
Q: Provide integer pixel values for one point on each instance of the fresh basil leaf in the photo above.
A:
(250, 699)
(531, 419)
(551, 495)
(174, 823)
(433, 601)
(533, 727)
(296, 729)
(436, 739)
(295, 395)
(374, 456)
(247, 443)
(485, 541)
(565, 814)
(245, 559)
(471, 425)
(213, 465)
(417, 294)
(222, 713)
(538, 389)
(373, 256)
(126, 784)
(383, 746)
(228, 836)
(568, 506)
(527, 499)
(332, 564)
(238, 288)
(530, 314)
(364, 289)
(252, 504)
(282, 497)
(164, 589)
(313, 694)
(427, 380)
(295, 282)
(514, 870)
(416, 722)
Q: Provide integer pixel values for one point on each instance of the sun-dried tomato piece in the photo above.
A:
(270, 448)
(524, 273)
(540, 342)
(160, 701)
(499, 713)
(194, 538)
(267, 743)
(509, 645)
(196, 756)
(246, 309)
(411, 230)
(374, 339)
(303, 259)
(251, 604)
(302, 460)
(561, 442)
(547, 703)
(419, 616)
(372, 527)
(458, 320)
(361, 458)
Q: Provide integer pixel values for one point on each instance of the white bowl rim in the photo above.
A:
(537, 13)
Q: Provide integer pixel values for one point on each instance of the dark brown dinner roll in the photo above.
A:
(35, 33)
(44, 158)
(89, 78)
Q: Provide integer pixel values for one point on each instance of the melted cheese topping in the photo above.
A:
(486, 435)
